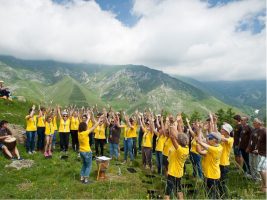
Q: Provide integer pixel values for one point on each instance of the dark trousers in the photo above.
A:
(147, 156)
(74, 140)
(140, 138)
(135, 147)
(222, 183)
(40, 138)
(154, 143)
(212, 188)
(101, 143)
(165, 164)
(197, 169)
(64, 141)
(245, 156)
(159, 160)
(91, 139)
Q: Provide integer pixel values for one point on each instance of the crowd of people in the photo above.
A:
(170, 138)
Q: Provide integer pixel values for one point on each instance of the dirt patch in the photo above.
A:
(25, 185)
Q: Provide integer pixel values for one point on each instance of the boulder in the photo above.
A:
(19, 164)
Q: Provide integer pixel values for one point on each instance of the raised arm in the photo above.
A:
(59, 112)
(190, 128)
(32, 113)
(173, 134)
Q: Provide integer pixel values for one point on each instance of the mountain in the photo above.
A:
(247, 95)
(126, 87)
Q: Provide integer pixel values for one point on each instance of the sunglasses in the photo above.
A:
(65, 115)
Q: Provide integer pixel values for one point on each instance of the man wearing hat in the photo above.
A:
(211, 162)
(227, 144)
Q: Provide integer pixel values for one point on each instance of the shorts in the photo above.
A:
(173, 185)
(2, 145)
(261, 163)
(237, 151)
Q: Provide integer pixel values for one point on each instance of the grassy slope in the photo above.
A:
(56, 178)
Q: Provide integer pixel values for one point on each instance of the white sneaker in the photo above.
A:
(29, 152)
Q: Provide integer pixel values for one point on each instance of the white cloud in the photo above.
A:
(185, 37)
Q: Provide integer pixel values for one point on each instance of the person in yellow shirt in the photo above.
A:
(100, 134)
(31, 128)
(194, 155)
(130, 133)
(85, 149)
(49, 132)
(54, 117)
(160, 140)
(41, 129)
(211, 162)
(146, 142)
(227, 144)
(74, 124)
(64, 130)
(177, 158)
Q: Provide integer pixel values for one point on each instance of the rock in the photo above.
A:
(19, 164)
(21, 98)
(18, 132)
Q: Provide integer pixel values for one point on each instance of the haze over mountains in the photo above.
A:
(126, 87)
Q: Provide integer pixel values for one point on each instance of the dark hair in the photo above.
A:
(42, 109)
(82, 127)
(3, 122)
(30, 110)
(237, 118)
(131, 120)
(84, 115)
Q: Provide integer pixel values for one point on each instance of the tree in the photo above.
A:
(221, 117)
(195, 116)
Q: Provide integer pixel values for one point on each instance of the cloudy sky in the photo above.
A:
(203, 39)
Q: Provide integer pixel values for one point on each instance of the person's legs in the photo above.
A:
(111, 150)
(238, 156)
(222, 183)
(16, 152)
(67, 136)
(28, 141)
(245, 156)
(88, 163)
(130, 148)
(134, 147)
(72, 133)
(91, 139)
(125, 145)
(6, 151)
(54, 140)
(115, 150)
(169, 187)
(39, 140)
(61, 141)
(149, 157)
(96, 147)
(76, 141)
(50, 145)
(140, 137)
(102, 143)
(158, 161)
(197, 161)
(46, 145)
(193, 164)
(262, 170)
(42, 133)
(212, 188)
(143, 157)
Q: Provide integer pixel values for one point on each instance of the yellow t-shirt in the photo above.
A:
(55, 123)
(177, 159)
(84, 141)
(160, 142)
(41, 121)
(147, 138)
(211, 162)
(90, 124)
(49, 128)
(31, 123)
(227, 146)
(100, 131)
(64, 126)
(194, 146)
(131, 132)
(167, 146)
(74, 123)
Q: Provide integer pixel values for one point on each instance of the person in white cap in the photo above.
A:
(227, 144)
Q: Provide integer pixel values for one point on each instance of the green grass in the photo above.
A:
(59, 179)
